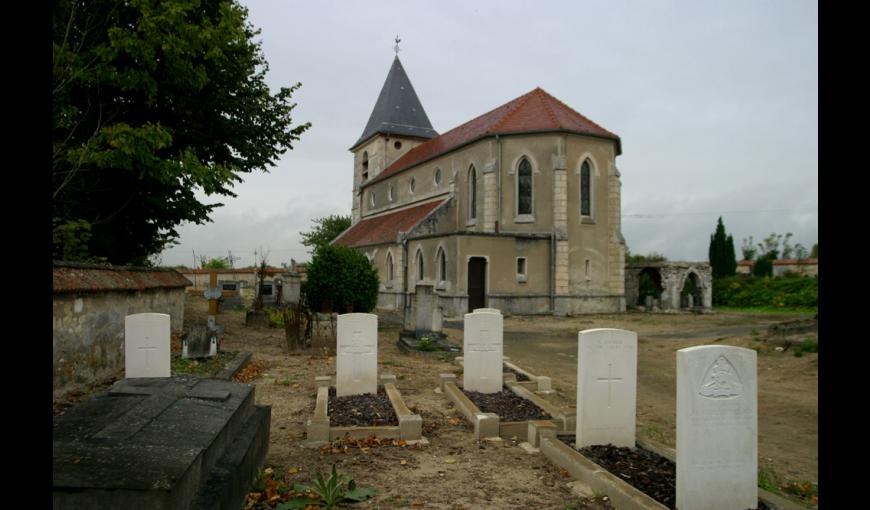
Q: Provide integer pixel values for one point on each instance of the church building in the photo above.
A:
(516, 209)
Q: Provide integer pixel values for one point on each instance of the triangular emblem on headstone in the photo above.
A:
(721, 380)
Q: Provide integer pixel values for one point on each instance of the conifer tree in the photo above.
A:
(721, 252)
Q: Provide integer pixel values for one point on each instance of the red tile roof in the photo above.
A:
(385, 229)
(536, 111)
(79, 278)
(795, 262)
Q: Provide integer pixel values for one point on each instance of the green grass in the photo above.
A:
(204, 366)
(808, 345)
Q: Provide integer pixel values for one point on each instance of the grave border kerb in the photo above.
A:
(540, 384)
(319, 432)
(488, 426)
(623, 495)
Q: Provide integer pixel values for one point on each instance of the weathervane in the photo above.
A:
(396, 47)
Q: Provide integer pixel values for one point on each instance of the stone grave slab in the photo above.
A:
(160, 443)
(717, 428)
(146, 345)
(606, 387)
(356, 356)
(482, 352)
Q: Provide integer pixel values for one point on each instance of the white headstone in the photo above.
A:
(482, 351)
(606, 387)
(356, 360)
(717, 428)
(146, 345)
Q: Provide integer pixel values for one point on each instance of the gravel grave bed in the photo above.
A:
(646, 471)
(365, 410)
(520, 377)
(507, 405)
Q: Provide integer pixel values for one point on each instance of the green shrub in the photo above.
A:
(342, 280)
(763, 267)
(742, 291)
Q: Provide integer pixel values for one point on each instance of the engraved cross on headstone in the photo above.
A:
(609, 380)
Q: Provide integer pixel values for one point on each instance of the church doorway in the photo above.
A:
(476, 283)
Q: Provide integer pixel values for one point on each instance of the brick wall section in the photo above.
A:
(89, 307)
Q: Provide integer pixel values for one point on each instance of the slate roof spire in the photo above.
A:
(398, 110)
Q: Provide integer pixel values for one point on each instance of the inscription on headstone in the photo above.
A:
(146, 345)
(357, 354)
(606, 387)
(482, 350)
(717, 428)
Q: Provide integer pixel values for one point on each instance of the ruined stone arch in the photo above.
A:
(673, 277)
(692, 284)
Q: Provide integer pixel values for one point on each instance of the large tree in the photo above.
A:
(152, 102)
(325, 230)
(721, 252)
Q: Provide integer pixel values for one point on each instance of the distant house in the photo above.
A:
(744, 267)
(806, 267)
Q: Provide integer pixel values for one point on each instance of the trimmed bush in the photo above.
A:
(341, 280)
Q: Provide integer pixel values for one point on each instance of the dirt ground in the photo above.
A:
(455, 471)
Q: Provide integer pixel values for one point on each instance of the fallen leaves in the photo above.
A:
(454, 421)
(346, 444)
(250, 372)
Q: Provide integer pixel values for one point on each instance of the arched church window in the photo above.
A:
(389, 267)
(442, 266)
(419, 265)
(524, 187)
(585, 190)
(472, 193)
(413, 185)
(437, 176)
(365, 165)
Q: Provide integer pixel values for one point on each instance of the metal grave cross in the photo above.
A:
(609, 380)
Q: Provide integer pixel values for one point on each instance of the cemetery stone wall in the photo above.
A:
(89, 307)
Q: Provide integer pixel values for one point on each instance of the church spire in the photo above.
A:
(398, 110)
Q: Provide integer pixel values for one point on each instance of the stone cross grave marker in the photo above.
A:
(146, 345)
(357, 354)
(482, 349)
(606, 387)
(717, 428)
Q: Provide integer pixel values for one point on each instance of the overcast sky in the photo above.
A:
(716, 104)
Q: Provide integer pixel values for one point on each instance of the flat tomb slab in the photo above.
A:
(147, 442)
